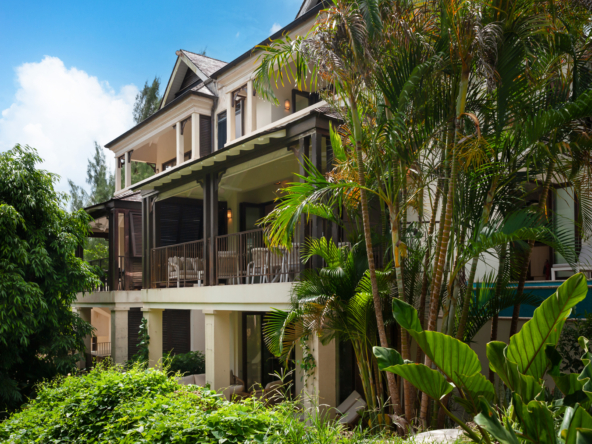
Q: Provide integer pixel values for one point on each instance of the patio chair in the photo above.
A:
(276, 261)
(258, 265)
(228, 266)
(291, 264)
(236, 388)
(350, 408)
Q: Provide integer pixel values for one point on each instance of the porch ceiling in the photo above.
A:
(238, 152)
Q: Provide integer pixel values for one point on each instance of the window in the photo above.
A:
(303, 99)
(221, 130)
(239, 113)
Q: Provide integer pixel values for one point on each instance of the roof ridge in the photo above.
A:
(201, 55)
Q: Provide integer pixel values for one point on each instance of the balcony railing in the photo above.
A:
(101, 349)
(178, 265)
(245, 258)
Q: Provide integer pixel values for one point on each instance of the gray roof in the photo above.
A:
(205, 64)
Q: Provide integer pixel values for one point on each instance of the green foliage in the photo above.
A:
(141, 405)
(531, 355)
(147, 101)
(568, 345)
(143, 354)
(192, 363)
(40, 276)
(96, 248)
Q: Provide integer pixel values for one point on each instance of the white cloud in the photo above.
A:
(238, 33)
(275, 28)
(61, 112)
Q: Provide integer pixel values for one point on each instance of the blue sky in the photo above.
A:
(62, 51)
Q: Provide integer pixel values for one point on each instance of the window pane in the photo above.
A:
(221, 130)
(238, 115)
(301, 103)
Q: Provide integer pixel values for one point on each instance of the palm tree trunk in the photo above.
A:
(447, 225)
(409, 392)
(426, 264)
(521, 282)
(392, 383)
(467, 300)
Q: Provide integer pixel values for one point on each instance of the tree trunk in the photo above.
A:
(426, 264)
(392, 383)
(521, 282)
(409, 392)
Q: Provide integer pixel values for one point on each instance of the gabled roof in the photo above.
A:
(306, 6)
(206, 65)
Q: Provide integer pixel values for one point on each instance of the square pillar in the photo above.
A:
(230, 119)
(194, 135)
(218, 338)
(321, 384)
(85, 315)
(128, 169)
(154, 318)
(119, 334)
(251, 109)
(180, 143)
(117, 174)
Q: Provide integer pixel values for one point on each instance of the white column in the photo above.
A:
(194, 135)
(198, 338)
(119, 340)
(180, 145)
(154, 317)
(217, 348)
(85, 315)
(251, 109)
(230, 119)
(321, 385)
(128, 169)
(117, 175)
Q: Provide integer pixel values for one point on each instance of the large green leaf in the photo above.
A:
(536, 420)
(580, 420)
(584, 436)
(454, 358)
(489, 421)
(387, 357)
(527, 346)
(525, 385)
(429, 381)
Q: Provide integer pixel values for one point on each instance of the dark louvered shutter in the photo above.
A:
(136, 226)
(134, 318)
(176, 331)
(205, 135)
(191, 223)
(169, 223)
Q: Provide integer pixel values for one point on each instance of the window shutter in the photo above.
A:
(134, 318)
(136, 226)
(205, 135)
(176, 331)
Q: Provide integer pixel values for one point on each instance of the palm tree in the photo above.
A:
(334, 302)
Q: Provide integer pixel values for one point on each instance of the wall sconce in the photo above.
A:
(287, 105)
(229, 213)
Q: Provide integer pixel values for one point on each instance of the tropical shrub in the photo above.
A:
(192, 363)
(569, 346)
(534, 415)
(136, 406)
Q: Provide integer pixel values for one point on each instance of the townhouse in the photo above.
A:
(185, 251)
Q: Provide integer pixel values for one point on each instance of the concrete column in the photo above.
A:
(251, 109)
(85, 315)
(198, 338)
(180, 144)
(117, 175)
(154, 317)
(230, 119)
(119, 340)
(321, 385)
(128, 169)
(217, 348)
(195, 135)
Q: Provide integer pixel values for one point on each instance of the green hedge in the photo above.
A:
(137, 406)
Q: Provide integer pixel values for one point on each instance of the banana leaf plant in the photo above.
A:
(534, 416)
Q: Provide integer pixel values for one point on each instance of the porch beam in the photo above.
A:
(128, 169)
(195, 135)
(180, 143)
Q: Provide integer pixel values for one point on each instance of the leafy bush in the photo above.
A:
(535, 416)
(569, 347)
(136, 406)
(192, 363)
